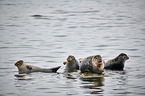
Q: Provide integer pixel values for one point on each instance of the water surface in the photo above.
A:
(43, 33)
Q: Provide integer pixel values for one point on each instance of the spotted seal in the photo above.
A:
(24, 68)
(93, 64)
(72, 65)
(117, 63)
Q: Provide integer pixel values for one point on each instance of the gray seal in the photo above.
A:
(117, 63)
(24, 68)
(93, 64)
(72, 65)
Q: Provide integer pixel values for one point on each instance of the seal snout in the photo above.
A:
(99, 60)
(127, 57)
(70, 58)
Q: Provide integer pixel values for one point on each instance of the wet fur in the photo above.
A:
(24, 68)
(117, 63)
(91, 64)
(72, 65)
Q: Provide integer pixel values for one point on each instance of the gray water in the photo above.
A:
(44, 32)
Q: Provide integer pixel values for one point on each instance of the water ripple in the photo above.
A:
(56, 29)
(128, 49)
(60, 35)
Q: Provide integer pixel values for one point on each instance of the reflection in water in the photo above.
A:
(70, 76)
(21, 84)
(23, 78)
(119, 82)
(93, 83)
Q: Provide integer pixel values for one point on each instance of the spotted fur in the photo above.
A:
(117, 63)
(94, 64)
(24, 68)
(72, 65)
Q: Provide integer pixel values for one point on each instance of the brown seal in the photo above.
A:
(24, 68)
(72, 65)
(93, 64)
(117, 63)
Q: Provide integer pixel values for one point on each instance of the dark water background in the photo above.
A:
(44, 32)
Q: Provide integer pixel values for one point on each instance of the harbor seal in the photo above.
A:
(117, 63)
(24, 68)
(72, 65)
(93, 64)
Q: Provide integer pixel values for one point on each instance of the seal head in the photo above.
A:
(19, 63)
(22, 67)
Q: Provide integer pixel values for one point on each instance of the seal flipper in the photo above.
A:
(55, 69)
(65, 62)
(29, 67)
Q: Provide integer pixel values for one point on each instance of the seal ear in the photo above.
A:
(29, 67)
